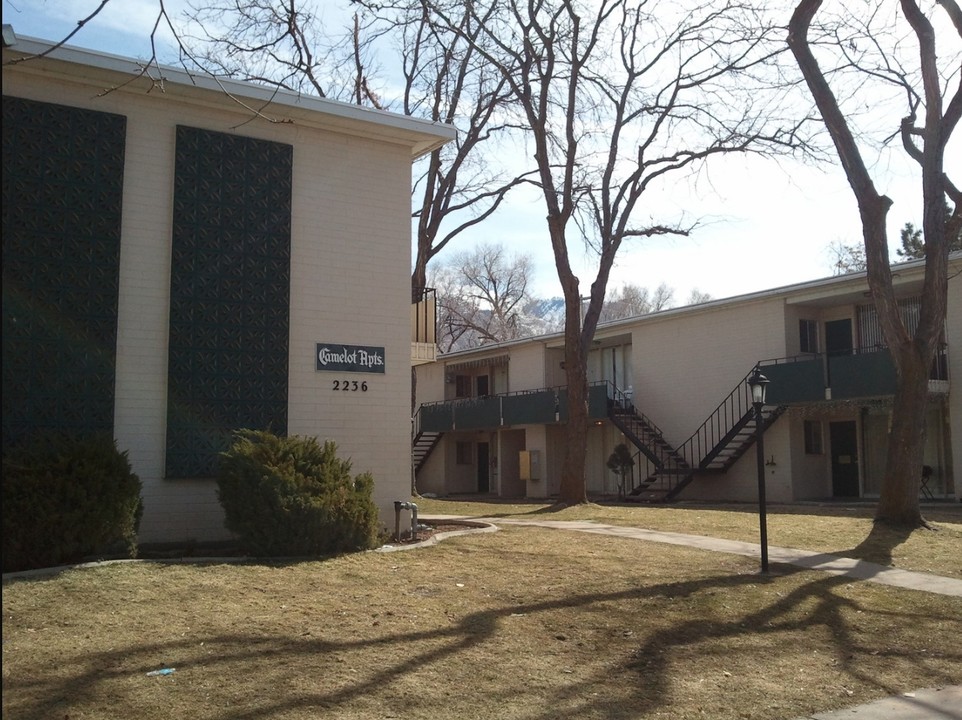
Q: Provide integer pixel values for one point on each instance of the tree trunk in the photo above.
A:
(899, 499)
(913, 355)
(573, 487)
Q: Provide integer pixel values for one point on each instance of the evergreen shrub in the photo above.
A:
(66, 499)
(293, 497)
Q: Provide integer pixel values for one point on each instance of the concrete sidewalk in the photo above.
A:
(929, 704)
(832, 564)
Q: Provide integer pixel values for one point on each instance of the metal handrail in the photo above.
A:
(719, 423)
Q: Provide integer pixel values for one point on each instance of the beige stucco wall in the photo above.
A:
(685, 365)
(527, 368)
(349, 284)
(430, 382)
(539, 438)
(431, 478)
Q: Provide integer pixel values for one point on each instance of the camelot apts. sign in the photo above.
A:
(334, 357)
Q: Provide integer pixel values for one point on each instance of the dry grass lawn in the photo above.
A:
(525, 623)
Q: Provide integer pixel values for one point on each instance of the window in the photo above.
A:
(870, 329)
(808, 336)
(463, 453)
(483, 386)
(813, 437)
(462, 386)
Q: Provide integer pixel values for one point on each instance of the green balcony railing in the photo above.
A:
(865, 373)
(529, 407)
(435, 417)
(862, 375)
(795, 380)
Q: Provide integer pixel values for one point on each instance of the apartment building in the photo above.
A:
(672, 386)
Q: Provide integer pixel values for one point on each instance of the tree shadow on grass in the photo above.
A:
(879, 544)
(650, 671)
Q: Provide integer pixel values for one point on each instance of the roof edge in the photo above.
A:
(806, 286)
(423, 136)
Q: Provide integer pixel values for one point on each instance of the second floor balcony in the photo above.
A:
(528, 407)
(793, 381)
(861, 374)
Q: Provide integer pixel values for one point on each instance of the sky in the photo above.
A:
(762, 223)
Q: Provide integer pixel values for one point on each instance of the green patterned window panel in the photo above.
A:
(229, 295)
(62, 199)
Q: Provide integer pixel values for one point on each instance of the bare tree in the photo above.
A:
(447, 80)
(696, 297)
(930, 117)
(615, 98)
(149, 68)
(846, 258)
(290, 45)
(482, 295)
(453, 334)
(631, 300)
(436, 75)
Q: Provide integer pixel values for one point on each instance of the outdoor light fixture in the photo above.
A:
(758, 384)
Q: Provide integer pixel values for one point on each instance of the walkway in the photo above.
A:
(930, 704)
(833, 564)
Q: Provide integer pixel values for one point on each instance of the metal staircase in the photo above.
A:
(424, 443)
(713, 448)
(662, 461)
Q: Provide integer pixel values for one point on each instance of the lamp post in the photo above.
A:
(758, 384)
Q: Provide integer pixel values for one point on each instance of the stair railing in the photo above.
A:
(676, 465)
(730, 412)
(659, 455)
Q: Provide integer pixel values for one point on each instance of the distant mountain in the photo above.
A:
(544, 315)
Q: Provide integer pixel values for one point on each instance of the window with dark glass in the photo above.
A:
(463, 453)
(808, 336)
(813, 437)
(462, 386)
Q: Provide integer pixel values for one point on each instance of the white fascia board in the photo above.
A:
(114, 72)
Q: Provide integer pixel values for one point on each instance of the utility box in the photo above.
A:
(530, 461)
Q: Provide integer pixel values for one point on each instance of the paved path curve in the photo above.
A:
(833, 564)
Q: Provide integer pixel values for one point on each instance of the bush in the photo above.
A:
(290, 496)
(66, 499)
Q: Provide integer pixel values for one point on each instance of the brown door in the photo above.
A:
(844, 440)
(484, 476)
(838, 337)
